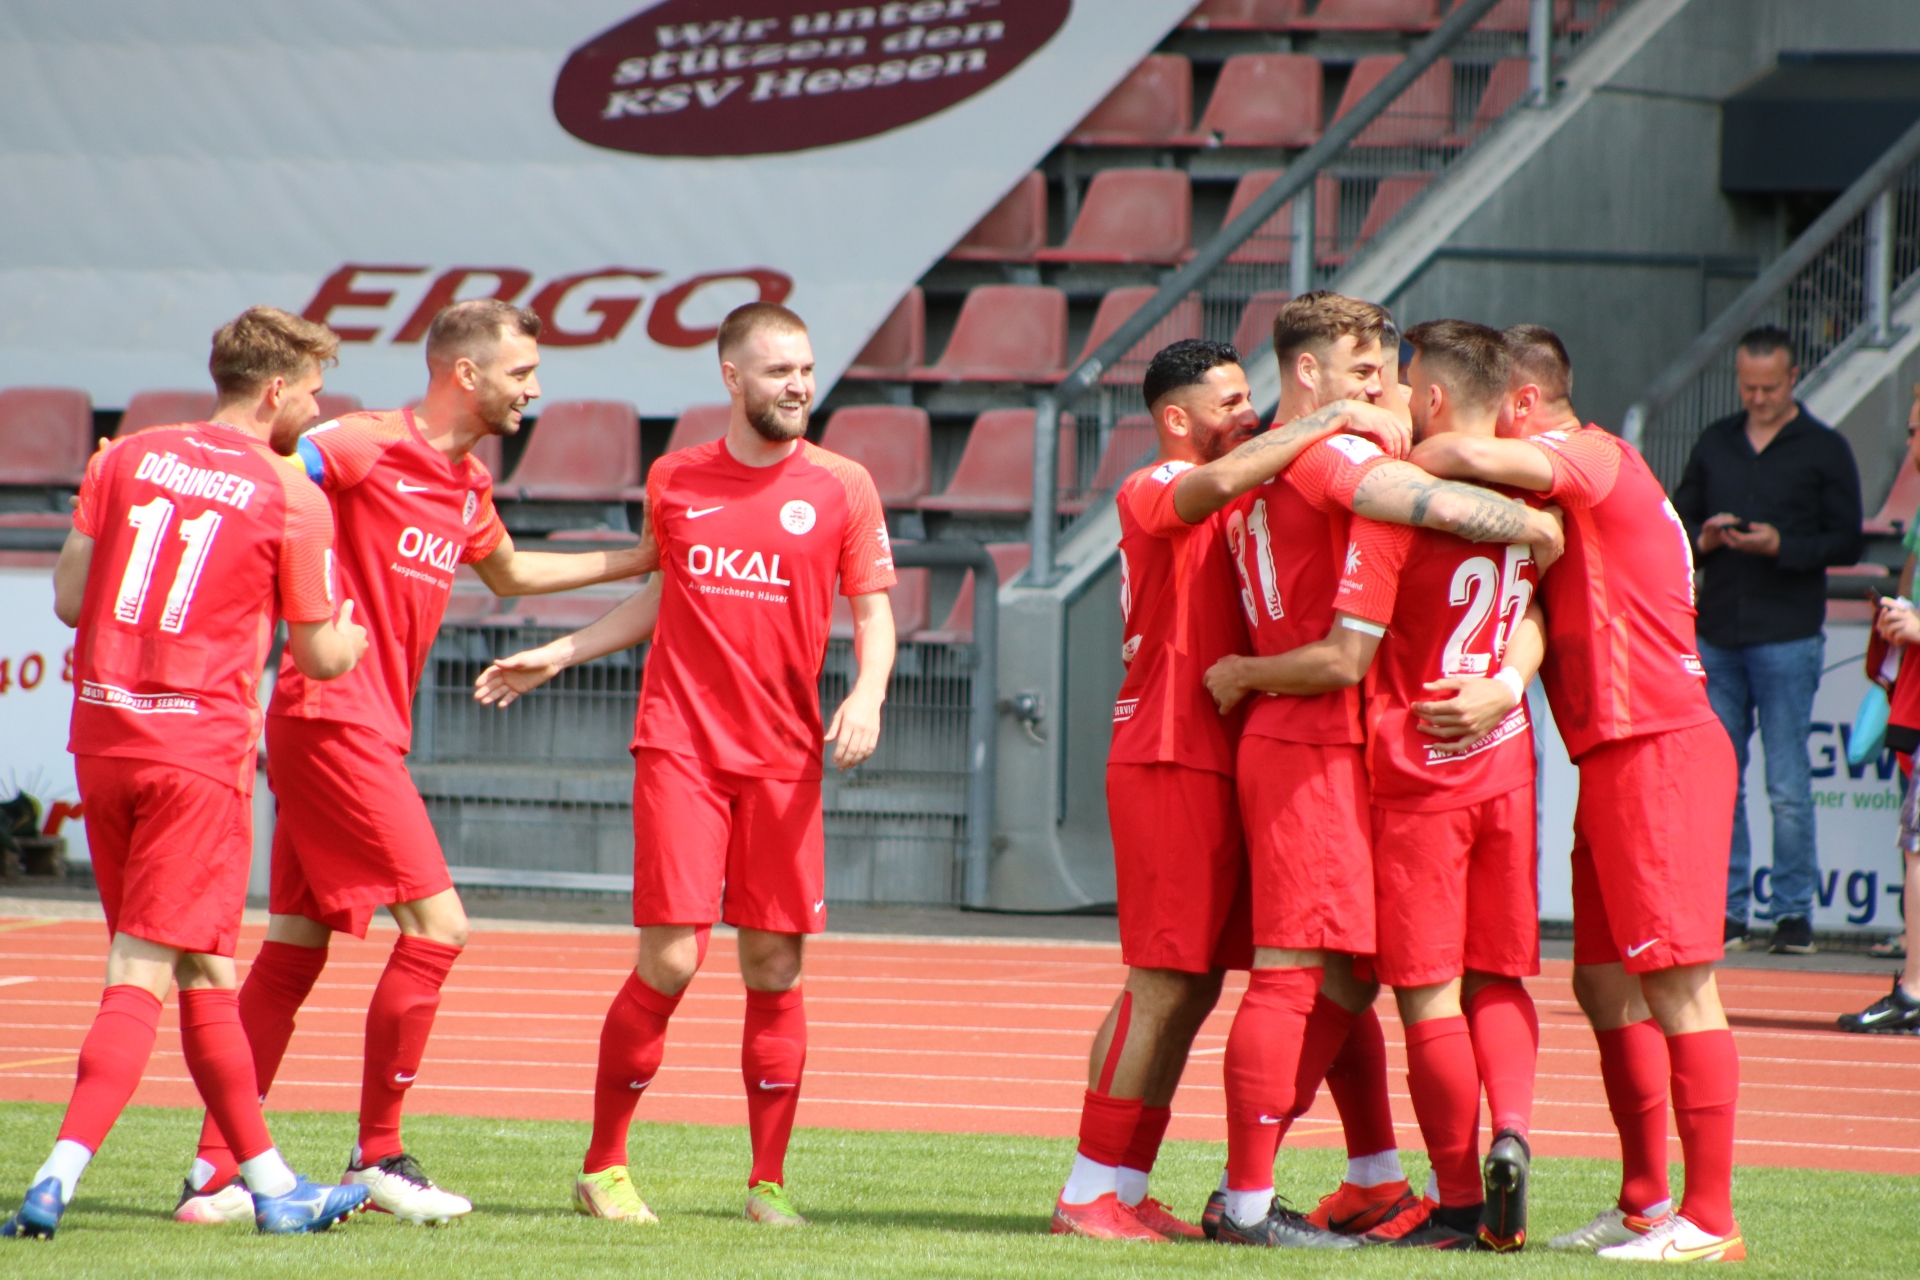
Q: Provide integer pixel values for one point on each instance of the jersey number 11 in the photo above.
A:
(150, 524)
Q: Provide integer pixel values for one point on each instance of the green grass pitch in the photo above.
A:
(882, 1204)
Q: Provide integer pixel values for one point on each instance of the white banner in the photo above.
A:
(36, 702)
(631, 171)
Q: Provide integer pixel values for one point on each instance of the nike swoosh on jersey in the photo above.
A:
(404, 487)
(704, 511)
(1634, 951)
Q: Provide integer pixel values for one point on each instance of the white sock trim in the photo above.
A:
(201, 1174)
(1373, 1170)
(67, 1162)
(267, 1174)
(1249, 1207)
(1131, 1185)
(1089, 1181)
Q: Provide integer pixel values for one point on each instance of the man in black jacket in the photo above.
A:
(1770, 498)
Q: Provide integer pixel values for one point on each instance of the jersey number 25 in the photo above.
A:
(1480, 586)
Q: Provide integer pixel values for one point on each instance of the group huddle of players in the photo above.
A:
(1322, 771)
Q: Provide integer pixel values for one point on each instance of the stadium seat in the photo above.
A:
(1423, 113)
(1371, 15)
(1506, 85)
(699, 423)
(899, 345)
(1006, 333)
(995, 475)
(893, 442)
(1273, 242)
(1902, 500)
(487, 451)
(581, 451)
(164, 408)
(1516, 15)
(1150, 108)
(1131, 215)
(1130, 445)
(1013, 230)
(908, 597)
(469, 606)
(1010, 559)
(1395, 192)
(1184, 321)
(1245, 15)
(1254, 334)
(332, 405)
(46, 436)
(565, 611)
(1265, 100)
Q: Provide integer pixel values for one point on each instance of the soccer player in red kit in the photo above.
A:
(187, 542)
(1652, 827)
(412, 504)
(1303, 791)
(754, 532)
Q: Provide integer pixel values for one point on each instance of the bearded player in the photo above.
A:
(1654, 819)
(187, 542)
(1303, 788)
(412, 503)
(754, 531)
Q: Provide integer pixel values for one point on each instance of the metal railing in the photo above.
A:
(1834, 289)
(1364, 174)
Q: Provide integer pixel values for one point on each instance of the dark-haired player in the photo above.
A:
(411, 503)
(754, 532)
(187, 542)
(1653, 824)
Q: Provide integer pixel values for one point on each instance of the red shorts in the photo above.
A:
(1305, 809)
(710, 845)
(171, 851)
(1457, 890)
(1180, 868)
(350, 833)
(1651, 834)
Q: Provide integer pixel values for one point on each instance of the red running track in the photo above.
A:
(934, 1035)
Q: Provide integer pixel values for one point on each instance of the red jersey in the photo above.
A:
(1289, 598)
(1453, 605)
(750, 556)
(1621, 656)
(1178, 618)
(407, 519)
(201, 534)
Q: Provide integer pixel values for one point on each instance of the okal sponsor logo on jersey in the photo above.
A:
(428, 548)
(736, 563)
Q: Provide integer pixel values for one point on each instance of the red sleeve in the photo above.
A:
(86, 516)
(1370, 581)
(866, 557)
(492, 531)
(306, 554)
(1149, 496)
(349, 447)
(1327, 473)
(1585, 465)
(657, 485)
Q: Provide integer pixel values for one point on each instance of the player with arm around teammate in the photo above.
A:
(753, 532)
(187, 542)
(1653, 823)
(411, 504)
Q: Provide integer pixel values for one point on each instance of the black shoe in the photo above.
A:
(1735, 938)
(1447, 1227)
(1282, 1228)
(1503, 1218)
(1792, 936)
(1210, 1216)
(1894, 1014)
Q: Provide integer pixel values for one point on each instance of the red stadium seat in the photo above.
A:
(1150, 108)
(1516, 15)
(899, 345)
(581, 451)
(1372, 15)
(1184, 321)
(908, 597)
(333, 405)
(1395, 192)
(1423, 113)
(1265, 100)
(469, 606)
(1013, 230)
(164, 408)
(1129, 447)
(1010, 559)
(1273, 242)
(1006, 333)
(46, 436)
(1902, 500)
(1254, 334)
(1506, 85)
(1245, 15)
(1131, 215)
(699, 423)
(893, 442)
(488, 451)
(995, 475)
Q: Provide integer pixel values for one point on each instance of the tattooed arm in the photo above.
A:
(1204, 490)
(1401, 493)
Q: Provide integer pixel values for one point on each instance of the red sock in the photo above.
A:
(1107, 1126)
(221, 1064)
(773, 1054)
(1148, 1133)
(1706, 1087)
(1633, 1066)
(399, 1019)
(1445, 1086)
(277, 985)
(632, 1042)
(1358, 1082)
(1506, 1046)
(1262, 1070)
(1327, 1029)
(113, 1057)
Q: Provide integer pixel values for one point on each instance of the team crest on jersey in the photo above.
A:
(797, 516)
(1166, 471)
(1354, 448)
(473, 505)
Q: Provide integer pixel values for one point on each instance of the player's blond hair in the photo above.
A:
(744, 321)
(264, 343)
(1315, 321)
